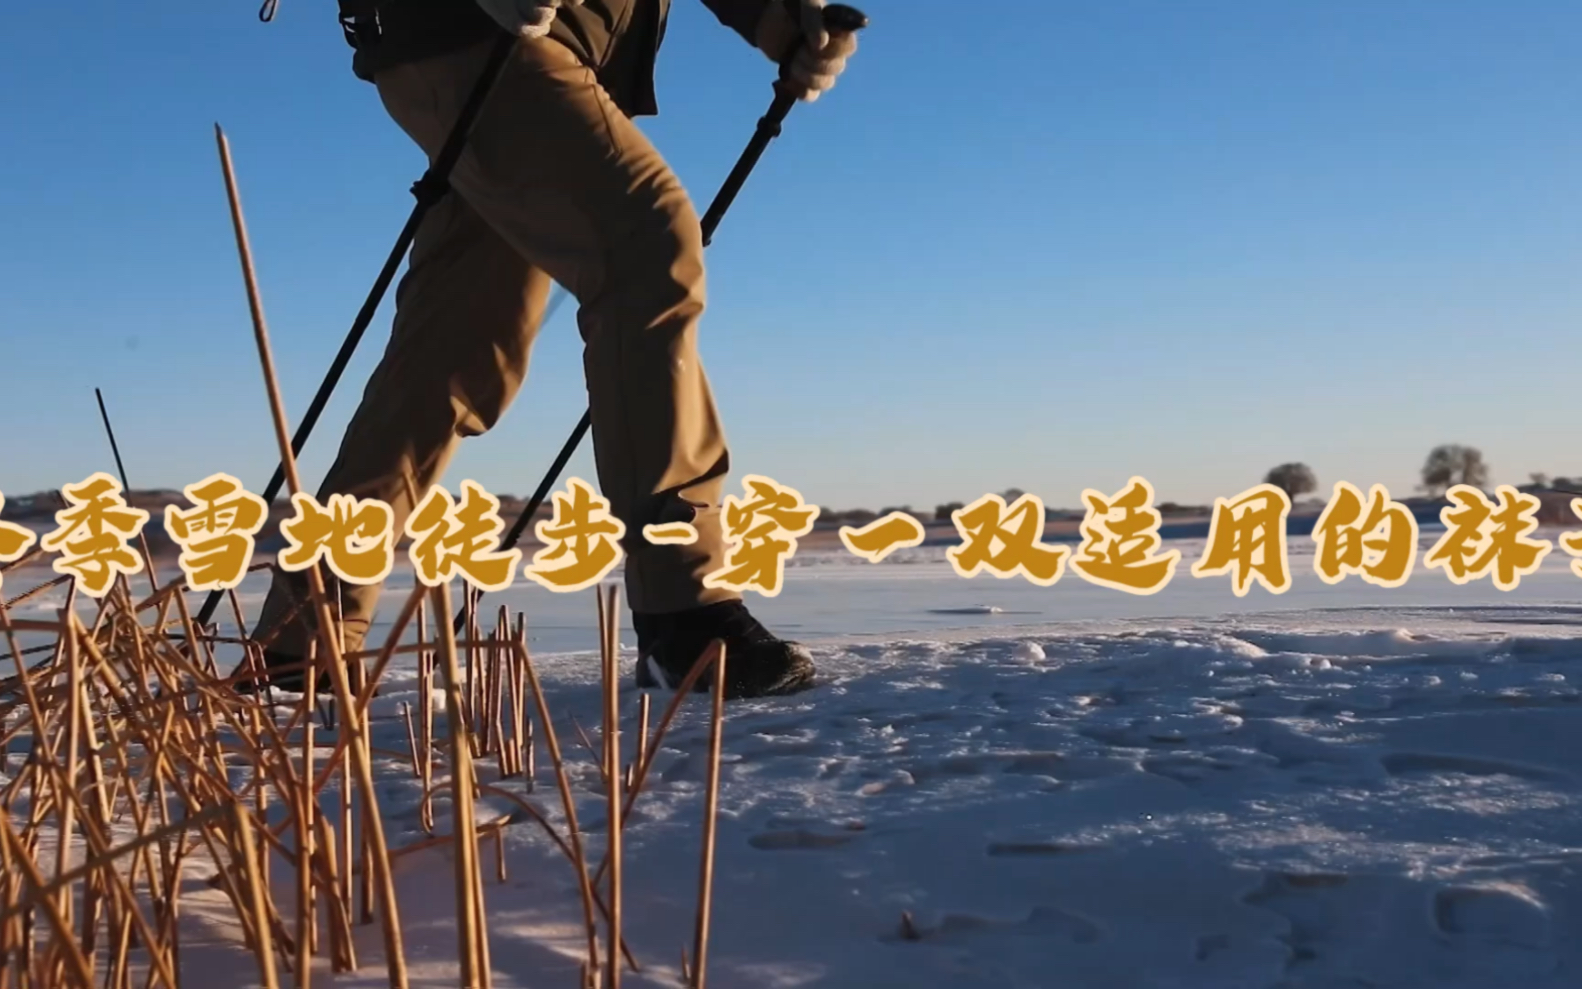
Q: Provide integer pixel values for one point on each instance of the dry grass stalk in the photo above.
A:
(251, 853)
(469, 919)
(142, 763)
(411, 738)
(585, 885)
(493, 827)
(520, 725)
(609, 648)
(307, 810)
(642, 740)
(596, 753)
(425, 688)
(353, 721)
(714, 652)
(496, 691)
(342, 955)
(470, 623)
(700, 944)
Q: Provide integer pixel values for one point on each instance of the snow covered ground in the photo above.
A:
(1337, 787)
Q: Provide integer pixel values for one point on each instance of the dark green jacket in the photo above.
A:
(619, 39)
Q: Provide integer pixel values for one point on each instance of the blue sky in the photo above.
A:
(1046, 245)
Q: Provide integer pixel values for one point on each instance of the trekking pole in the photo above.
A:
(428, 190)
(837, 18)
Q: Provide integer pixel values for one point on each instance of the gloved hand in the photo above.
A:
(525, 18)
(788, 25)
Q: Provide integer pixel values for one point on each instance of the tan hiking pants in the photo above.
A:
(556, 183)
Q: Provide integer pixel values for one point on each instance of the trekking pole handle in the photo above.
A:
(838, 19)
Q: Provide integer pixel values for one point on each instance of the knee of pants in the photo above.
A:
(657, 267)
(475, 415)
(419, 419)
(475, 402)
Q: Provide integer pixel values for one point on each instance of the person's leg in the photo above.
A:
(466, 313)
(566, 178)
(570, 181)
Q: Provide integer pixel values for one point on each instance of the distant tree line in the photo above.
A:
(1445, 467)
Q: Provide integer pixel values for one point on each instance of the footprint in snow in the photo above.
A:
(1431, 763)
(1043, 922)
(1495, 914)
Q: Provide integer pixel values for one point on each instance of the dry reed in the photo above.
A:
(145, 766)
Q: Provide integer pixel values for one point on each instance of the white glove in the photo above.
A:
(525, 18)
(820, 56)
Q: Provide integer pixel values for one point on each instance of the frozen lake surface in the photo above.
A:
(1335, 788)
(835, 596)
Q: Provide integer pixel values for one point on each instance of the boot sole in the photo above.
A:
(649, 675)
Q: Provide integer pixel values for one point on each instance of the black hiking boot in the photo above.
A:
(757, 664)
(282, 672)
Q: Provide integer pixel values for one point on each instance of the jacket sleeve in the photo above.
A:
(740, 16)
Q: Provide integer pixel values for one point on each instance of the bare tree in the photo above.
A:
(1294, 479)
(1452, 464)
(1011, 494)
